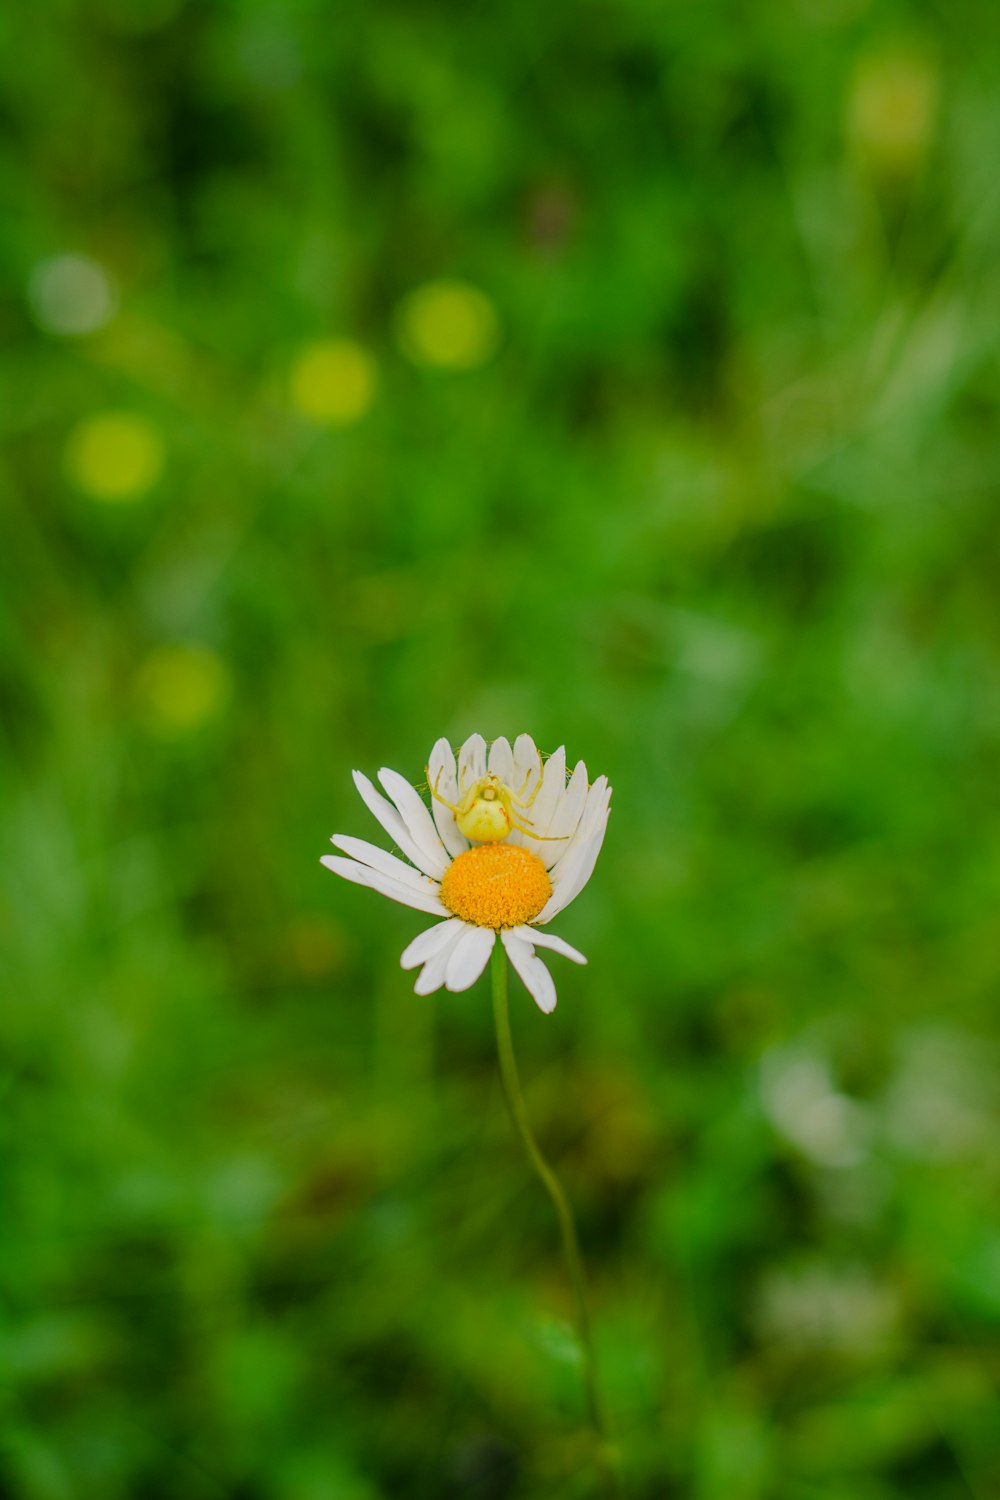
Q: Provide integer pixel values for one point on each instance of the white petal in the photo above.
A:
(501, 761)
(553, 787)
(527, 768)
(394, 825)
(556, 838)
(471, 761)
(469, 957)
(377, 804)
(549, 940)
(419, 823)
(576, 870)
(536, 977)
(394, 889)
(594, 804)
(432, 975)
(381, 860)
(429, 943)
(569, 879)
(441, 776)
(539, 814)
(526, 783)
(595, 809)
(566, 817)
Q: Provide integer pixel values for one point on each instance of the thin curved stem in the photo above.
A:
(606, 1457)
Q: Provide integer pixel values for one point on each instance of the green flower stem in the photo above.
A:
(606, 1457)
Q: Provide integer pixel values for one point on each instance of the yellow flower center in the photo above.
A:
(496, 885)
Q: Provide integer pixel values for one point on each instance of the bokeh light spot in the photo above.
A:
(180, 686)
(333, 383)
(115, 456)
(892, 109)
(448, 324)
(71, 295)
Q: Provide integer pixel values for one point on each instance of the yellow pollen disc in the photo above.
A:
(496, 885)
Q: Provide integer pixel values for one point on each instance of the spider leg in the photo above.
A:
(452, 807)
(518, 797)
(545, 838)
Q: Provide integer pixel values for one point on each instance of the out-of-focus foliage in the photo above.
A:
(622, 373)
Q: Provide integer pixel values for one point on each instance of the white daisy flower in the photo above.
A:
(507, 843)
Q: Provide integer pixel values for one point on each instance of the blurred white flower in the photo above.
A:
(800, 1100)
(942, 1100)
(72, 295)
(820, 1306)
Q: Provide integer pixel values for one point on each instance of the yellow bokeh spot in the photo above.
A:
(180, 687)
(892, 109)
(333, 383)
(448, 324)
(115, 456)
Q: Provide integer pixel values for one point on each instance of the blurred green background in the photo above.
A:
(626, 374)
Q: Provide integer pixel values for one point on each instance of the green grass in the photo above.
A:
(718, 512)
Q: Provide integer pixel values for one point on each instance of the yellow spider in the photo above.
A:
(488, 810)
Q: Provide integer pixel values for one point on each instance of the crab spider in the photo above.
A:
(489, 809)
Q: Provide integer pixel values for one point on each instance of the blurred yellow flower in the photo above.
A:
(179, 687)
(333, 382)
(449, 324)
(115, 456)
(892, 109)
